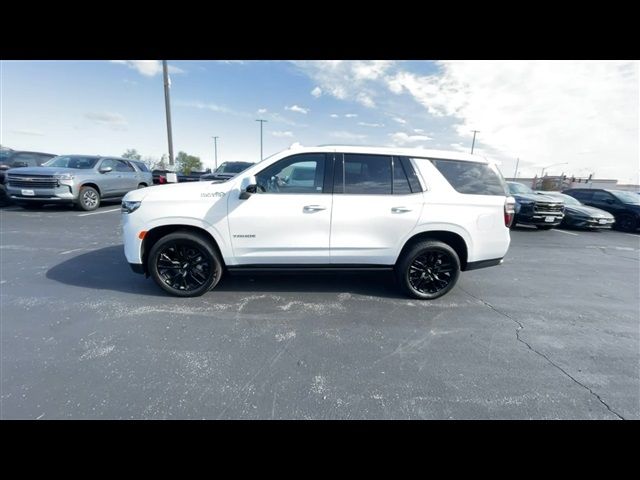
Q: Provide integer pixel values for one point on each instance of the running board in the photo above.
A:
(319, 268)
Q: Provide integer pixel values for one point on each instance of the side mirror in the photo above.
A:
(248, 187)
(105, 169)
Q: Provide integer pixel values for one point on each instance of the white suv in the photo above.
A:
(425, 214)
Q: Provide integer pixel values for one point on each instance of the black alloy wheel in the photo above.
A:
(184, 264)
(429, 270)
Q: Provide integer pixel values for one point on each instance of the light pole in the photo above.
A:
(515, 174)
(167, 104)
(261, 122)
(474, 139)
(552, 165)
(215, 148)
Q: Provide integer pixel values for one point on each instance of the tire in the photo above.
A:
(186, 248)
(545, 227)
(142, 185)
(88, 199)
(427, 253)
(626, 223)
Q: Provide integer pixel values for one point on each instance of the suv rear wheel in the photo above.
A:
(89, 198)
(184, 264)
(428, 270)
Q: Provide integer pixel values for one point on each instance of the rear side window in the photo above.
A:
(367, 174)
(400, 181)
(472, 178)
(141, 166)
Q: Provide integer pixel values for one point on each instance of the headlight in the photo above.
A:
(129, 207)
(64, 176)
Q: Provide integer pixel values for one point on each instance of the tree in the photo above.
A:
(132, 154)
(187, 163)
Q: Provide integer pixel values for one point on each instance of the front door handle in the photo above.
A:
(400, 210)
(313, 208)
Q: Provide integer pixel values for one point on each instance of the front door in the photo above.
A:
(374, 209)
(288, 221)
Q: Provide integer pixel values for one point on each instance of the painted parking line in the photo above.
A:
(96, 213)
(71, 251)
(568, 233)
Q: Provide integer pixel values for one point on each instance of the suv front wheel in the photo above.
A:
(184, 264)
(428, 270)
(88, 199)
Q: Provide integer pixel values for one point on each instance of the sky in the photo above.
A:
(574, 117)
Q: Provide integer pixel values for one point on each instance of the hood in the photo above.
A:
(586, 211)
(185, 191)
(46, 170)
(534, 197)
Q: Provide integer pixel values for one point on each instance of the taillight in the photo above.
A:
(509, 211)
(162, 179)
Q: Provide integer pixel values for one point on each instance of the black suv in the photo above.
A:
(623, 205)
(543, 211)
(17, 158)
(226, 171)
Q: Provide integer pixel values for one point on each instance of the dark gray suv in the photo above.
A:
(81, 180)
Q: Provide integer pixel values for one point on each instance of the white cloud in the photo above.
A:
(343, 135)
(401, 121)
(541, 111)
(351, 115)
(298, 109)
(347, 80)
(33, 133)
(334, 115)
(148, 68)
(418, 130)
(365, 124)
(111, 120)
(316, 92)
(278, 133)
(210, 106)
(402, 138)
(262, 110)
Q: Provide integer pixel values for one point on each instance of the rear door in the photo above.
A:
(374, 208)
(127, 177)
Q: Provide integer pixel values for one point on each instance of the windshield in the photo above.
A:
(626, 197)
(232, 167)
(71, 162)
(515, 188)
(568, 199)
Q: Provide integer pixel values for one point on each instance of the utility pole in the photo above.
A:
(474, 139)
(167, 103)
(215, 147)
(261, 122)
(515, 174)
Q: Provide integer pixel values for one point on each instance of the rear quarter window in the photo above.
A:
(472, 178)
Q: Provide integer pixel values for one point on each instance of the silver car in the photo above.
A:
(76, 179)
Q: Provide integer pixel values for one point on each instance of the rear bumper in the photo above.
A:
(483, 264)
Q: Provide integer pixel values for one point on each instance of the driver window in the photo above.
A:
(296, 174)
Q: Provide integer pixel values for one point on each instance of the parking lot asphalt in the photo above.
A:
(553, 333)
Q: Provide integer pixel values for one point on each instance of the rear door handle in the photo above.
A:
(400, 210)
(313, 208)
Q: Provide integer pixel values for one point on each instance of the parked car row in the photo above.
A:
(80, 180)
(591, 208)
(34, 179)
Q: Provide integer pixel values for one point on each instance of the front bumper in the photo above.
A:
(593, 223)
(61, 194)
(539, 219)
